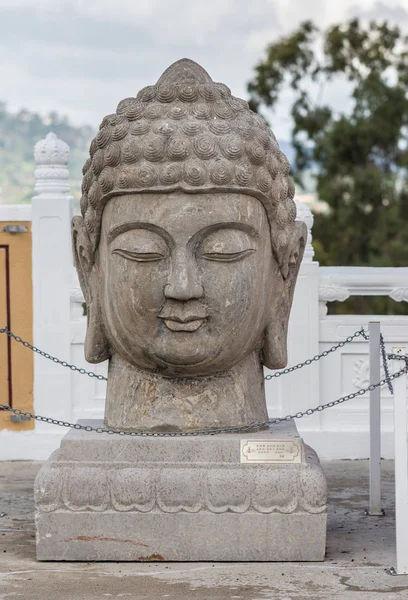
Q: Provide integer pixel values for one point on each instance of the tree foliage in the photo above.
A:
(360, 155)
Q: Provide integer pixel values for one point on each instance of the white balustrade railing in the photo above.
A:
(339, 283)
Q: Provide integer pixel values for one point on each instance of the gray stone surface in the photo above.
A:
(360, 549)
(103, 497)
(187, 252)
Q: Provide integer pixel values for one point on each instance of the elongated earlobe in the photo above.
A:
(275, 347)
(274, 352)
(96, 343)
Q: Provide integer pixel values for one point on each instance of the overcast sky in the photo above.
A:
(80, 57)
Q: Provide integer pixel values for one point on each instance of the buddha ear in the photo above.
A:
(83, 256)
(96, 343)
(275, 347)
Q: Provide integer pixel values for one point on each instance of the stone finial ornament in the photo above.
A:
(303, 213)
(187, 253)
(51, 157)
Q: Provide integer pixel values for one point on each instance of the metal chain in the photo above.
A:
(398, 357)
(385, 363)
(309, 361)
(243, 428)
(63, 363)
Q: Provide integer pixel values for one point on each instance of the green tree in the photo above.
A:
(359, 155)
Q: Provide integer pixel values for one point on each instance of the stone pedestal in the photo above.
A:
(107, 497)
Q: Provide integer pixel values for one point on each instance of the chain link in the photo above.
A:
(309, 361)
(398, 357)
(385, 363)
(54, 359)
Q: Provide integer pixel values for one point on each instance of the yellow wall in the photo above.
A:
(16, 311)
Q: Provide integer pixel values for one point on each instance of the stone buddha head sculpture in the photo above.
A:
(187, 252)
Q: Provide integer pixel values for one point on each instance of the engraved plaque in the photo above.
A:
(271, 451)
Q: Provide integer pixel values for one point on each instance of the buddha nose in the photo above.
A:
(183, 283)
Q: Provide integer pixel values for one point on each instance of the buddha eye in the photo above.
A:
(139, 256)
(227, 256)
(140, 245)
(227, 245)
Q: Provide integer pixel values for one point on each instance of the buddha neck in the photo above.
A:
(138, 399)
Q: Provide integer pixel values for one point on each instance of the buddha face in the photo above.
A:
(184, 281)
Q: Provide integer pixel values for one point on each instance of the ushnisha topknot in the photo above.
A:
(187, 133)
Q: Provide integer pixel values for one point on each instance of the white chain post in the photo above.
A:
(401, 464)
(375, 421)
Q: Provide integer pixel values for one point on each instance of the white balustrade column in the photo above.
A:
(299, 390)
(52, 209)
(302, 387)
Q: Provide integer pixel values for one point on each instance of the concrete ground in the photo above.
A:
(360, 549)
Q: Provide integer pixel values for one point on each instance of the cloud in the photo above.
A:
(175, 22)
(395, 13)
(81, 57)
(137, 40)
(68, 54)
(66, 26)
